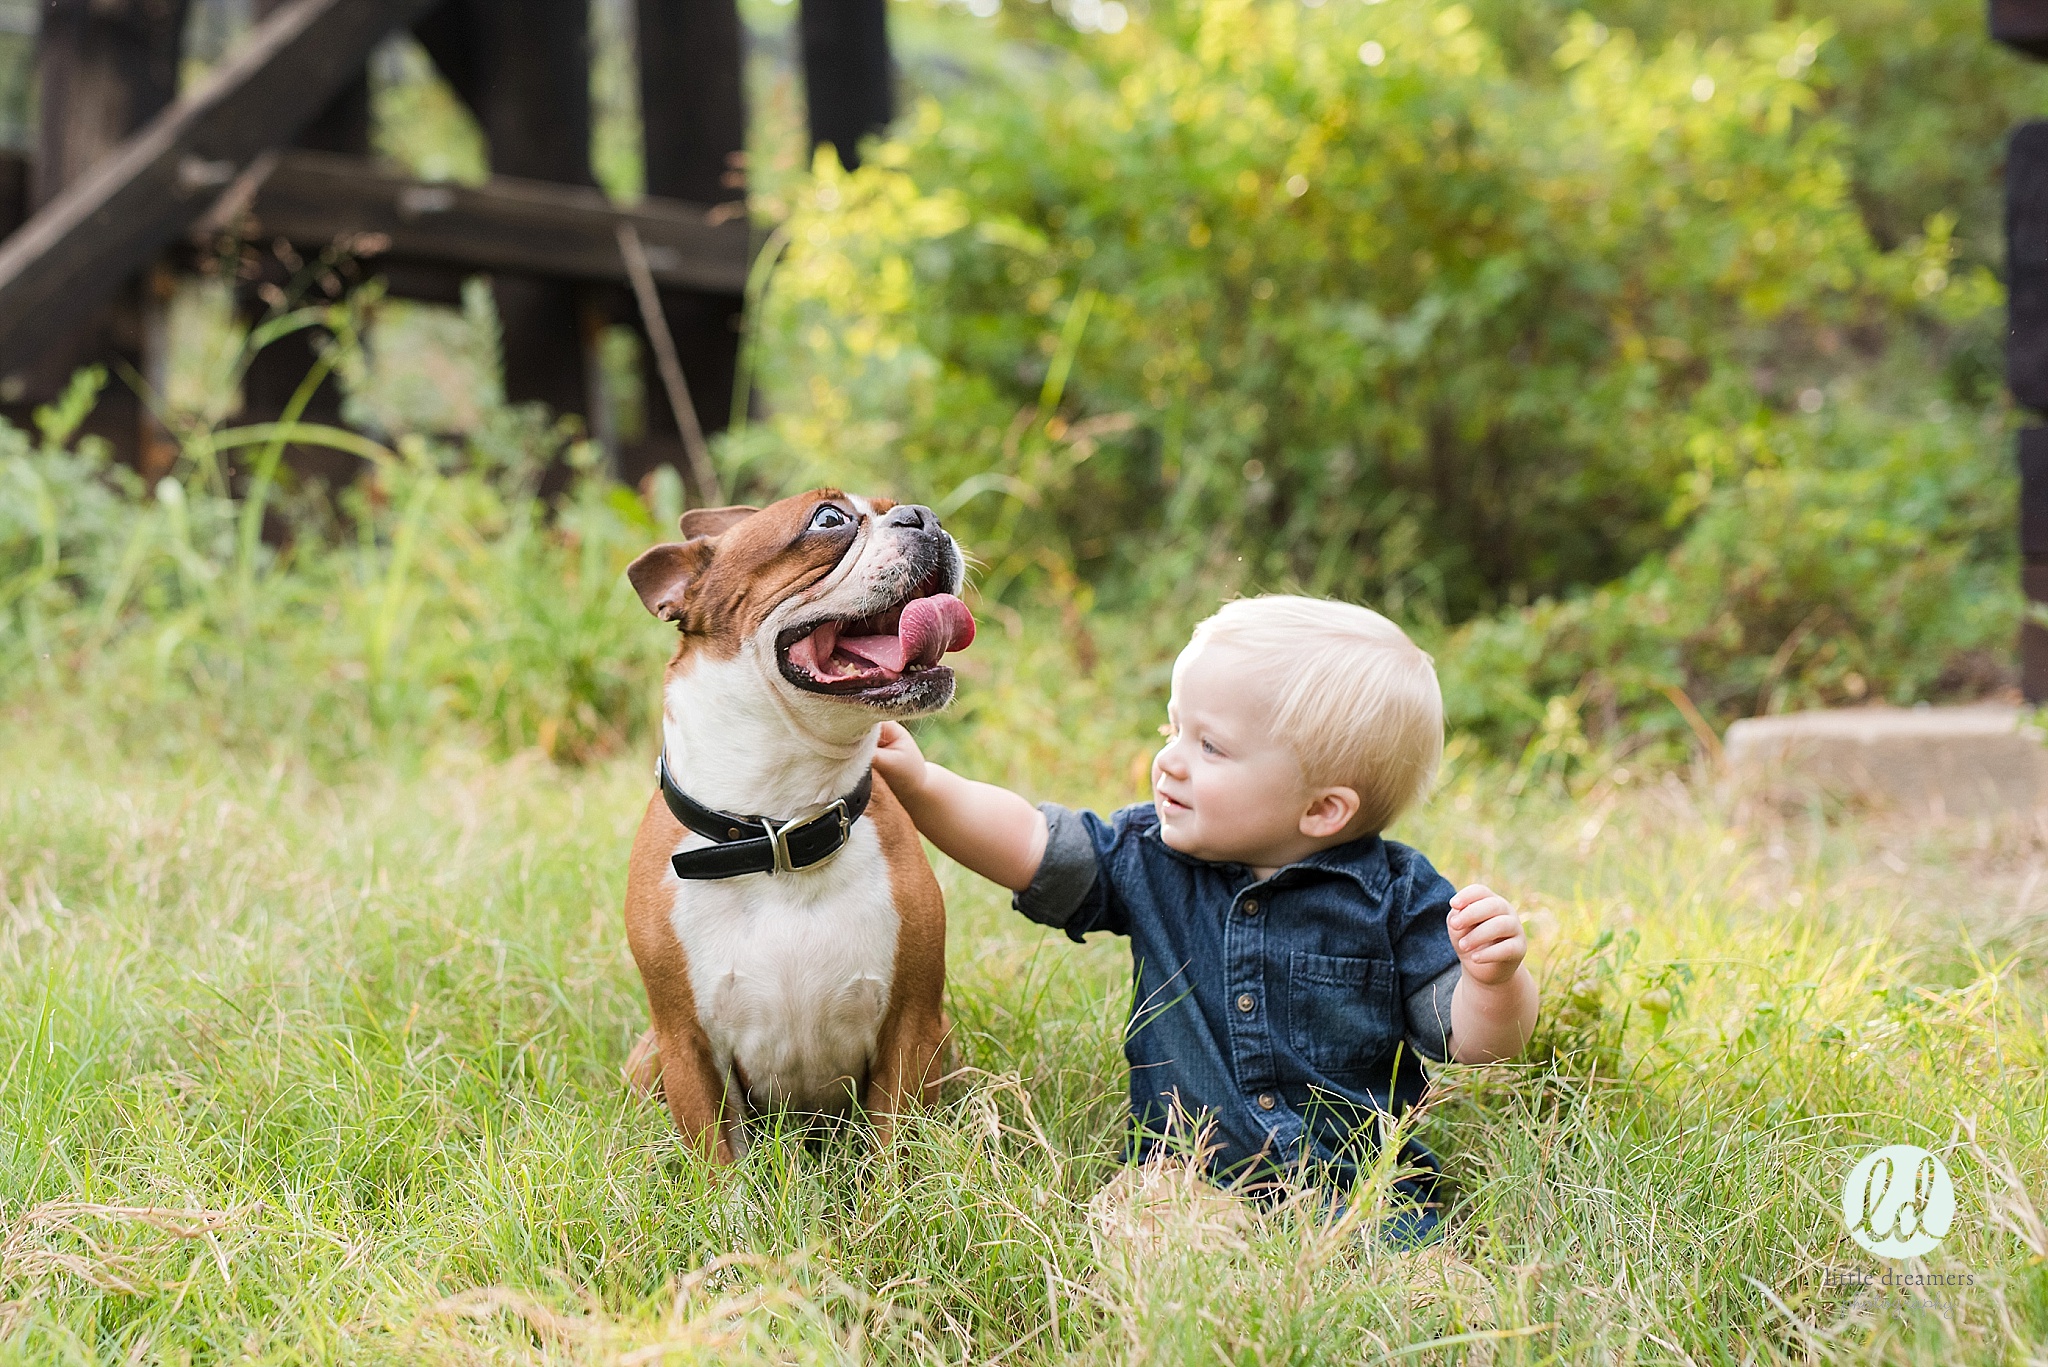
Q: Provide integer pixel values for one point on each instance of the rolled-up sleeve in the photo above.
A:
(1072, 890)
(1429, 1015)
(1423, 954)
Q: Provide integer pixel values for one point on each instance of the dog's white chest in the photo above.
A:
(791, 972)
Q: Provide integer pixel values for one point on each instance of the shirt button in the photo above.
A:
(1265, 1101)
(1251, 907)
(1245, 1002)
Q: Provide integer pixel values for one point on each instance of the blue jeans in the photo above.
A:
(1414, 1227)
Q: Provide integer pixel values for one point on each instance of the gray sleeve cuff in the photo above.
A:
(1429, 1015)
(1066, 874)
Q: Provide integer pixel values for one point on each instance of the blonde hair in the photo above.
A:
(1353, 698)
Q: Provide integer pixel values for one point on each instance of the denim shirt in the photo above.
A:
(1290, 1013)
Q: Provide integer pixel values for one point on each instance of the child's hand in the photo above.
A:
(989, 829)
(1487, 935)
(899, 761)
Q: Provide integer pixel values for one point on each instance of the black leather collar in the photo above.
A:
(755, 844)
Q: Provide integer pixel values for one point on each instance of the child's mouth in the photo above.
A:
(1167, 805)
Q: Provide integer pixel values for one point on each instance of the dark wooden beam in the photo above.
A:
(14, 190)
(527, 78)
(849, 80)
(526, 227)
(693, 118)
(273, 376)
(2026, 257)
(80, 248)
(523, 67)
(2021, 24)
(2026, 372)
(2033, 444)
(693, 110)
(103, 69)
(344, 124)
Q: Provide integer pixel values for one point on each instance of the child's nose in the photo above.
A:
(1168, 761)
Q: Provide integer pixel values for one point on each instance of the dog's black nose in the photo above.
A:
(914, 515)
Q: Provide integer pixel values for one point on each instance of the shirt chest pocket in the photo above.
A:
(1343, 1013)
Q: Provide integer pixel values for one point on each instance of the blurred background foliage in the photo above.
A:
(1643, 358)
(1624, 354)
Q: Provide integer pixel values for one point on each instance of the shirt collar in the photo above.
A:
(1363, 860)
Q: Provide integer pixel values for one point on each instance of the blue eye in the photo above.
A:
(1208, 748)
(830, 517)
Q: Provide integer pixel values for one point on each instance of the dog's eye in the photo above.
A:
(830, 518)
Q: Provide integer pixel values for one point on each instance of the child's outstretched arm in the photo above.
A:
(989, 829)
(1493, 1007)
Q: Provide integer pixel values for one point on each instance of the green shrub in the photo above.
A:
(1798, 584)
(1921, 100)
(1371, 301)
(1416, 330)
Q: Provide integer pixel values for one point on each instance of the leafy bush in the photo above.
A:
(1332, 290)
(1367, 300)
(1919, 98)
(1798, 585)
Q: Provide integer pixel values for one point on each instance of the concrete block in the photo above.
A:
(1953, 761)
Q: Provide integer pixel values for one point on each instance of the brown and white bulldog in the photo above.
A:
(791, 937)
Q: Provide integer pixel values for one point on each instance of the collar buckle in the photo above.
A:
(778, 837)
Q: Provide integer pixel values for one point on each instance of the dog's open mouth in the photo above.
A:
(868, 654)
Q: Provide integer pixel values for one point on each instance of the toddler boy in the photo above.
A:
(1292, 966)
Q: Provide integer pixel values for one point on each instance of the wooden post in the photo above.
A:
(693, 116)
(2023, 25)
(849, 81)
(275, 373)
(14, 189)
(2033, 444)
(523, 66)
(2026, 374)
(103, 69)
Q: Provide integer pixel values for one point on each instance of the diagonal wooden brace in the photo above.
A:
(81, 246)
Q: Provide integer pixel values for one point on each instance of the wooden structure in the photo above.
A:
(2023, 25)
(275, 144)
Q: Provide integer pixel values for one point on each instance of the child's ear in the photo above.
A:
(1329, 811)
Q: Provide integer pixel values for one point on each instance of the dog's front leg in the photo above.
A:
(906, 1067)
(905, 1074)
(683, 1072)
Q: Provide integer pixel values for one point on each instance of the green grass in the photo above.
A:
(314, 1061)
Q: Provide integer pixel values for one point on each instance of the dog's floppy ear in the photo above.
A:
(662, 576)
(713, 521)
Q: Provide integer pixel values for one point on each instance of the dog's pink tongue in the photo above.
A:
(928, 628)
(932, 626)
